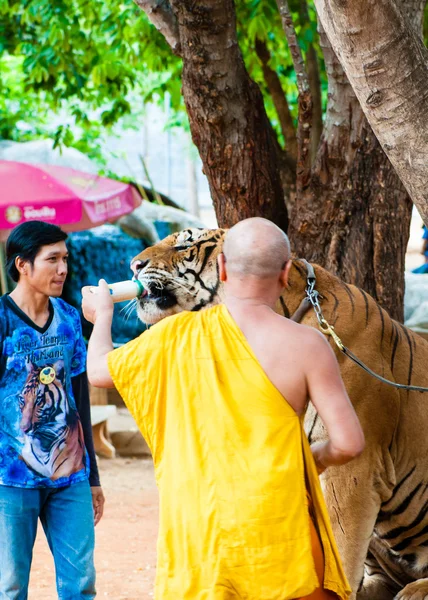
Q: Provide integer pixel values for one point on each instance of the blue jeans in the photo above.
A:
(67, 518)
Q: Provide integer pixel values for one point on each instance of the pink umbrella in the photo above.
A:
(66, 197)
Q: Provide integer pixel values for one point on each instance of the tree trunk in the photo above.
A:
(387, 64)
(227, 117)
(353, 218)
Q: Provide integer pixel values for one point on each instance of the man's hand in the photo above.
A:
(96, 301)
(97, 307)
(98, 503)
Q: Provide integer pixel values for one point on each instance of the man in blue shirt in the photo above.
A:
(48, 468)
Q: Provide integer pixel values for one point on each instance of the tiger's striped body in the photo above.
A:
(378, 502)
(52, 433)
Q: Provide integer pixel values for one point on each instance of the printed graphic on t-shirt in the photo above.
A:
(51, 431)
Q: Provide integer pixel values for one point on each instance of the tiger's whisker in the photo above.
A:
(129, 309)
(129, 304)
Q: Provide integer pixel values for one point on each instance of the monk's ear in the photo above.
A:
(221, 260)
(284, 274)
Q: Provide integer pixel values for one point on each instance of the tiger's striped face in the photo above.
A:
(179, 273)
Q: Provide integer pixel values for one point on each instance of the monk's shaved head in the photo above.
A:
(256, 247)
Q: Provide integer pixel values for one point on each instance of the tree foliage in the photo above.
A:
(79, 59)
(97, 62)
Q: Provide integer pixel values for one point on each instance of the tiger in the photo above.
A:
(52, 432)
(377, 503)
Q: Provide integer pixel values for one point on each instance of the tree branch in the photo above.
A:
(315, 85)
(296, 53)
(305, 98)
(279, 99)
(160, 14)
(312, 67)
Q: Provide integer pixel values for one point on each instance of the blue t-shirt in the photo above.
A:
(41, 437)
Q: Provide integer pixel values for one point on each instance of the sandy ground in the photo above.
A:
(125, 555)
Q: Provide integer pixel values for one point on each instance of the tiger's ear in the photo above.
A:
(221, 261)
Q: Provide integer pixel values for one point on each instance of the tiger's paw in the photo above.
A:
(418, 590)
(376, 588)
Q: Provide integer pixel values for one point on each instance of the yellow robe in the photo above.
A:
(229, 465)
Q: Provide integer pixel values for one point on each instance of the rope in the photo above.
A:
(401, 386)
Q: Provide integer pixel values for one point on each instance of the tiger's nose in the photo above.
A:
(138, 265)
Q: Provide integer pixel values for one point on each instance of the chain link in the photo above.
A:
(313, 297)
(323, 324)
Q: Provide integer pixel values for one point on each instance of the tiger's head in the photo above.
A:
(179, 273)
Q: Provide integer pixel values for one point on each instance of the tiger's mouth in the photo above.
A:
(156, 304)
(160, 295)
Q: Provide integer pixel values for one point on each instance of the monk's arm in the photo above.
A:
(98, 309)
(329, 396)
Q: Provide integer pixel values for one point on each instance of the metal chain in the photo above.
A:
(314, 296)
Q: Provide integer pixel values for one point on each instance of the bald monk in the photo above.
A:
(219, 395)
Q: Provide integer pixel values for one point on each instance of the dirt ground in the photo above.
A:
(125, 555)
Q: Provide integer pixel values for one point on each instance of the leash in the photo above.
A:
(314, 297)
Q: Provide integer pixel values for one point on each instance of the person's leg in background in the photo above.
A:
(19, 513)
(68, 521)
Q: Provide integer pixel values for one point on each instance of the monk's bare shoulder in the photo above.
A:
(312, 339)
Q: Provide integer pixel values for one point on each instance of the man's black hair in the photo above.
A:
(26, 240)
